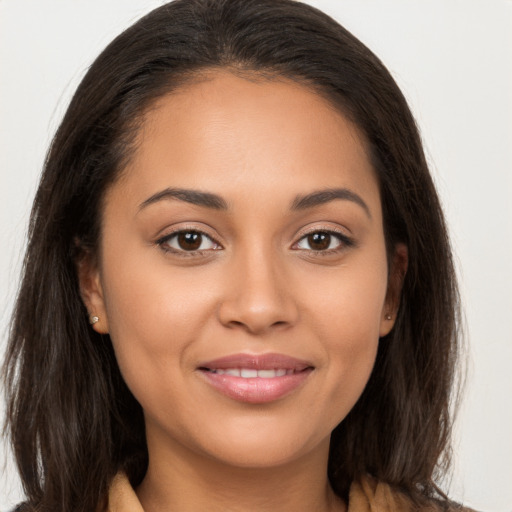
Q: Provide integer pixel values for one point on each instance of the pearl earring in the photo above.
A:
(93, 319)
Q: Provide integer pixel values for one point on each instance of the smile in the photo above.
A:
(256, 379)
(249, 373)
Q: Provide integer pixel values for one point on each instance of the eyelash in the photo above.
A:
(163, 241)
(344, 242)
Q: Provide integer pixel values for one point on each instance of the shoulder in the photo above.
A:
(369, 493)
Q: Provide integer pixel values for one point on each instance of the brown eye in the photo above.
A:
(187, 241)
(319, 241)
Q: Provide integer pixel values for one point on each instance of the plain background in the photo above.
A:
(452, 59)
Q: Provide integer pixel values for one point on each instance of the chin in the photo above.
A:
(263, 454)
(259, 441)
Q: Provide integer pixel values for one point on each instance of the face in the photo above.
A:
(242, 274)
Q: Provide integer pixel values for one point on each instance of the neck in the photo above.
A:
(178, 479)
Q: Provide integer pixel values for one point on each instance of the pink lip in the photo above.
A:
(256, 390)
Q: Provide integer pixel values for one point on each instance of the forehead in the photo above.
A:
(225, 133)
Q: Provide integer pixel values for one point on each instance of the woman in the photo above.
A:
(238, 290)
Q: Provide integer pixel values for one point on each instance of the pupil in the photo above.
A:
(189, 241)
(319, 241)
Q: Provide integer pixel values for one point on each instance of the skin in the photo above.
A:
(255, 286)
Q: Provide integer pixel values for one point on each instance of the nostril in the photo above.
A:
(235, 323)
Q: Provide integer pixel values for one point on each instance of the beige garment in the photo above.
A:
(122, 497)
(369, 495)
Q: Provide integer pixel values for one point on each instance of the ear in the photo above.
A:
(91, 290)
(397, 271)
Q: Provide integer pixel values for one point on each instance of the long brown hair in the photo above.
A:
(71, 419)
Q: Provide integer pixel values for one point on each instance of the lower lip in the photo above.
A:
(256, 390)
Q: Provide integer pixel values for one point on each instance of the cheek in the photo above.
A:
(347, 317)
(154, 314)
(349, 305)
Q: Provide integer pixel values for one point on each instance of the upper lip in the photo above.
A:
(268, 361)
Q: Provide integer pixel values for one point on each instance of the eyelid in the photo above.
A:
(346, 240)
(161, 240)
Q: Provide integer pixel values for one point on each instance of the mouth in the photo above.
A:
(250, 373)
(256, 379)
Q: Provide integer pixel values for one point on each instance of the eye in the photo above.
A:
(323, 241)
(188, 241)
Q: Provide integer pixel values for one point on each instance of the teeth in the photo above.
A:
(250, 373)
(267, 374)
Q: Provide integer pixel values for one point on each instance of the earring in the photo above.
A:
(93, 319)
(388, 317)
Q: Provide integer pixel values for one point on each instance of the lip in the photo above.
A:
(256, 390)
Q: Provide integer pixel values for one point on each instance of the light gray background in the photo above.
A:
(453, 60)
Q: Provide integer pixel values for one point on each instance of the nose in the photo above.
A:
(257, 295)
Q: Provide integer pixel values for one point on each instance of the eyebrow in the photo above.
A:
(320, 197)
(216, 202)
(196, 197)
